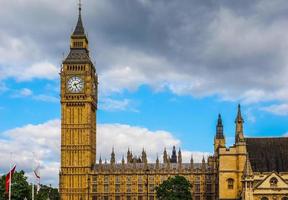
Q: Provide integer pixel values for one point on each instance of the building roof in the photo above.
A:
(79, 29)
(78, 56)
(268, 154)
(152, 166)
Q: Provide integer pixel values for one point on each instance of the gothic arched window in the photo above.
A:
(230, 182)
(273, 182)
(264, 198)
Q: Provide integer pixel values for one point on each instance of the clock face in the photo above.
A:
(75, 84)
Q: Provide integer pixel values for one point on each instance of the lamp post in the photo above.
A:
(147, 179)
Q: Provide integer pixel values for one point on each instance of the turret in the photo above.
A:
(123, 161)
(239, 135)
(157, 162)
(144, 157)
(219, 140)
(100, 164)
(203, 165)
(129, 156)
(100, 160)
(179, 157)
(191, 163)
(112, 159)
(174, 155)
(165, 156)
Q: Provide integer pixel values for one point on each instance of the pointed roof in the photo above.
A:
(203, 160)
(79, 29)
(174, 155)
(239, 115)
(191, 159)
(248, 172)
(268, 154)
(219, 128)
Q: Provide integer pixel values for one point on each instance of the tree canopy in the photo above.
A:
(175, 188)
(21, 189)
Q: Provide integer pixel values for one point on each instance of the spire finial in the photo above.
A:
(239, 126)
(79, 29)
(239, 115)
(80, 6)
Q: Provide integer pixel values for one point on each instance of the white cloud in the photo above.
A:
(46, 98)
(239, 55)
(25, 92)
(41, 70)
(111, 105)
(44, 140)
(277, 109)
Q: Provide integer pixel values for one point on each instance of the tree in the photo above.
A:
(175, 188)
(20, 187)
(46, 192)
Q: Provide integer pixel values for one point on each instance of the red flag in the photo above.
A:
(7, 182)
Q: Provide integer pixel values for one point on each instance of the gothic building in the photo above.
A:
(251, 169)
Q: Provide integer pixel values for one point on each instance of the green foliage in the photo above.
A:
(175, 188)
(21, 189)
(46, 192)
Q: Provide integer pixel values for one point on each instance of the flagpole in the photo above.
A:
(33, 154)
(10, 174)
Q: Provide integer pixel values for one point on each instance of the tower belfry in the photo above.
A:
(78, 122)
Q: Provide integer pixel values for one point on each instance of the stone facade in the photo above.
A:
(247, 170)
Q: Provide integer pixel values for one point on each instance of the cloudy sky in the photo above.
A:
(166, 69)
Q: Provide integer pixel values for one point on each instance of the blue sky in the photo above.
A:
(166, 69)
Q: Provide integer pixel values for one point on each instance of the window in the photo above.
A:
(106, 188)
(273, 182)
(151, 187)
(128, 179)
(284, 198)
(117, 180)
(140, 198)
(117, 198)
(264, 198)
(94, 187)
(117, 188)
(128, 188)
(197, 188)
(230, 182)
(209, 188)
(106, 179)
(140, 188)
(151, 197)
(140, 180)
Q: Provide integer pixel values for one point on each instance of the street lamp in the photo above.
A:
(147, 173)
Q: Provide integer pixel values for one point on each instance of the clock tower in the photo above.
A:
(78, 117)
